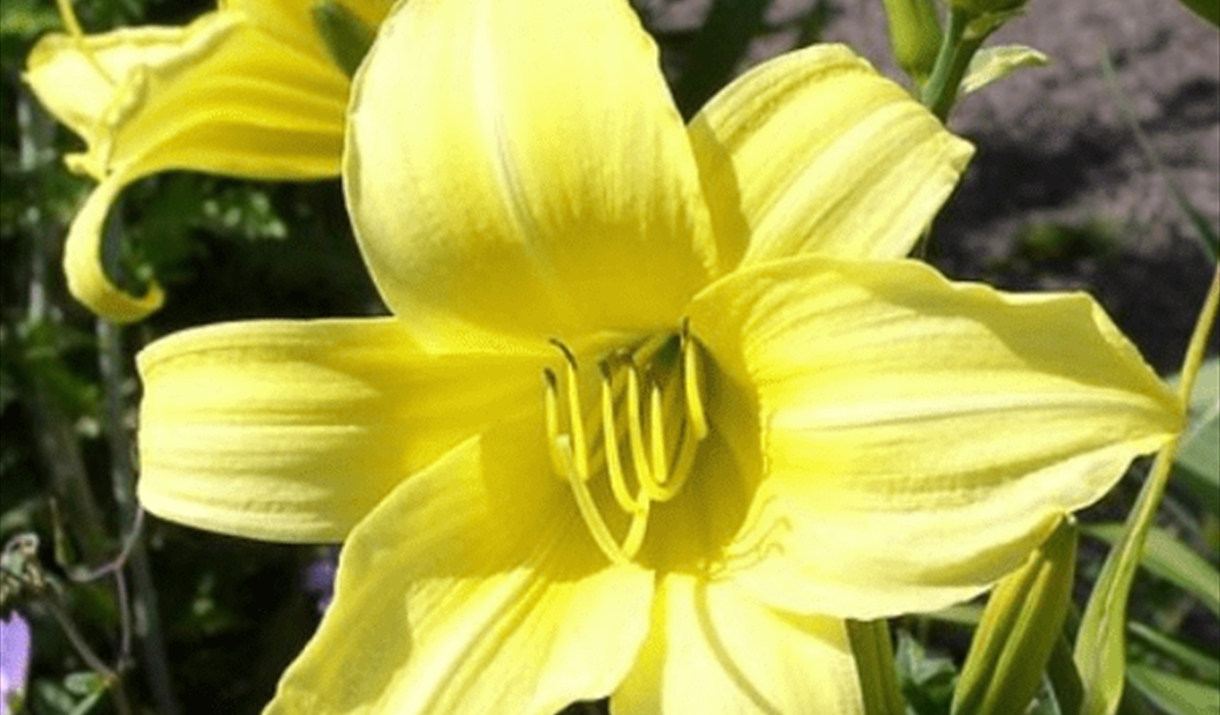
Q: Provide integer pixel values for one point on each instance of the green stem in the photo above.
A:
(154, 660)
(870, 645)
(956, 51)
(1100, 644)
(114, 682)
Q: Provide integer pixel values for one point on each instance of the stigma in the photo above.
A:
(641, 434)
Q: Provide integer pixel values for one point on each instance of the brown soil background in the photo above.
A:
(1053, 149)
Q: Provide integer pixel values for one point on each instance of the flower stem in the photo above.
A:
(870, 646)
(148, 620)
(1100, 651)
(956, 51)
(114, 682)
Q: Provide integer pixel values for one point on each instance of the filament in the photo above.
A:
(691, 374)
(614, 465)
(661, 462)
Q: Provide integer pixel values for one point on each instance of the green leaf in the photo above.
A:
(1207, 9)
(993, 63)
(1172, 693)
(1170, 559)
(26, 18)
(927, 680)
(84, 683)
(1197, 467)
(1205, 666)
(1100, 651)
(1045, 702)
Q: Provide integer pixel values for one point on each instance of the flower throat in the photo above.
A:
(645, 450)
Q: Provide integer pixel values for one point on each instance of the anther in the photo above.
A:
(580, 448)
(661, 460)
(554, 439)
(635, 428)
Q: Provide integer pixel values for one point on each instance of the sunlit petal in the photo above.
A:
(714, 649)
(86, 277)
(473, 588)
(292, 21)
(293, 431)
(815, 152)
(220, 95)
(920, 437)
(521, 166)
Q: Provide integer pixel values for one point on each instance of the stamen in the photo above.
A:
(580, 449)
(687, 450)
(553, 437)
(660, 465)
(619, 554)
(662, 461)
(614, 465)
(691, 379)
(635, 427)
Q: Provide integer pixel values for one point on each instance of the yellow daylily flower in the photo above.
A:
(658, 406)
(248, 90)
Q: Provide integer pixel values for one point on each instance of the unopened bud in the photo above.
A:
(1018, 631)
(346, 37)
(914, 35)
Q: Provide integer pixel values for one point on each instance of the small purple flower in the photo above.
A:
(14, 662)
(319, 579)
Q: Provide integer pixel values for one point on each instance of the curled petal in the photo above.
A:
(220, 95)
(87, 279)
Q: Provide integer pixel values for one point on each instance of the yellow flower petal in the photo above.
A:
(291, 21)
(87, 279)
(221, 95)
(920, 437)
(815, 152)
(522, 167)
(473, 588)
(293, 431)
(713, 649)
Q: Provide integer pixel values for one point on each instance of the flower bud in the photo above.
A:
(914, 35)
(346, 37)
(1019, 628)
